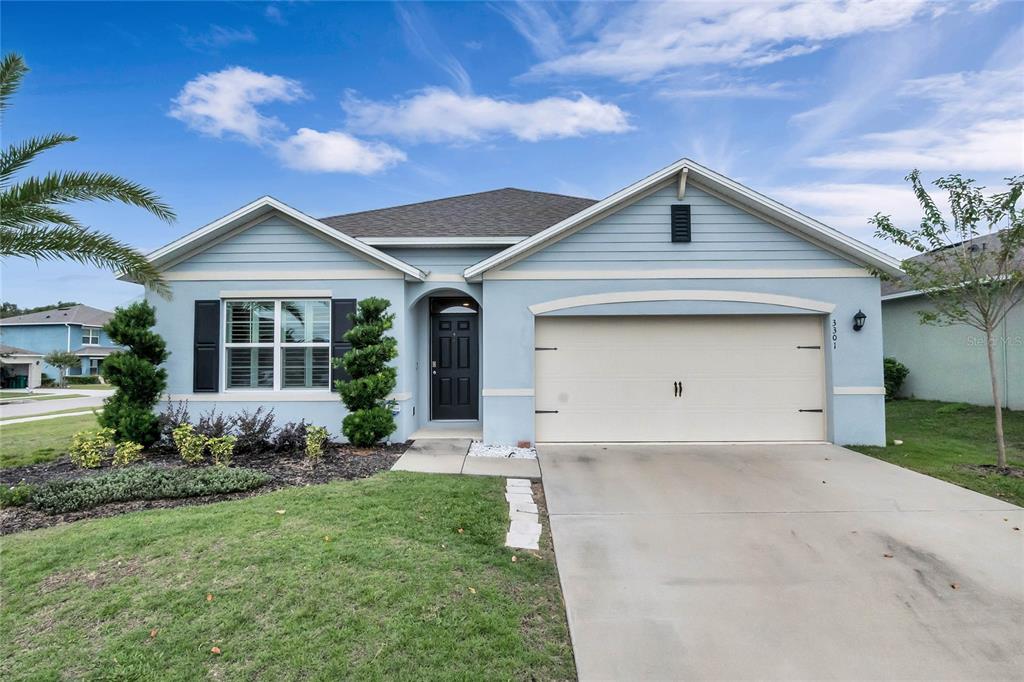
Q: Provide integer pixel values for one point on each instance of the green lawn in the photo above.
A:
(11, 395)
(69, 410)
(41, 441)
(369, 579)
(944, 439)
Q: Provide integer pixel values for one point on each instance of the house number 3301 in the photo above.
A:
(835, 335)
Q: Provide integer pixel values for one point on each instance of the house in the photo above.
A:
(951, 363)
(685, 307)
(20, 368)
(78, 329)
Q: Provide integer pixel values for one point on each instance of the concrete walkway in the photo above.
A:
(803, 562)
(449, 456)
(31, 408)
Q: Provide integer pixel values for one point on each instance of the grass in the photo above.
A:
(39, 441)
(70, 410)
(11, 395)
(370, 579)
(945, 439)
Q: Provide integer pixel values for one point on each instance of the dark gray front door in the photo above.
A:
(454, 366)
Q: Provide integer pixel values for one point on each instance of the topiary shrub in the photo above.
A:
(135, 373)
(895, 374)
(371, 378)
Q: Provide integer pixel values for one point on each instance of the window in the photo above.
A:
(276, 345)
(90, 336)
(94, 366)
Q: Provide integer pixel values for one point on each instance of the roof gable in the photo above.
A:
(76, 314)
(715, 184)
(257, 212)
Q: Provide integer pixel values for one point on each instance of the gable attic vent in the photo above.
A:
(680, 222)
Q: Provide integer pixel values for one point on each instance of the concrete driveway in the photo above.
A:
(782, 561)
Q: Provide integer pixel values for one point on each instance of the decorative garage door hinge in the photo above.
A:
(812, 410)
(544, 348)
(545, 411)
(810, 347)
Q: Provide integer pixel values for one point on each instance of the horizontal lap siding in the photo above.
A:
(639, 237)
(275, 244)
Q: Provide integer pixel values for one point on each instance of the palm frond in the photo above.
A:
(12, 70)
(82, 246)
(17, 156)
(19, 217)
(68, 186)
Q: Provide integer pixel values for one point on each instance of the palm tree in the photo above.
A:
(32, 222)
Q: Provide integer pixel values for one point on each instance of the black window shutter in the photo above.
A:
(680, 222)
(341, 308)
(206, 353)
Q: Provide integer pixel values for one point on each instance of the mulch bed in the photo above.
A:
(340, 462)
(1011, 471)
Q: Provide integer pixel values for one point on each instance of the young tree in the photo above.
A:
(136, 374)
(371, 378)
(965, 282)
(33, 223)
(63, 361)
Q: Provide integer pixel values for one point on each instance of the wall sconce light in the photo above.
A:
(858, 320)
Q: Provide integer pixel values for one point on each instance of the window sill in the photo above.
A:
(265, 396)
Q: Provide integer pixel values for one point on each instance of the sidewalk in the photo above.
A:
(450, 456)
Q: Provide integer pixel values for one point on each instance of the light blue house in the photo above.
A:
(685, 307)
(78, 329)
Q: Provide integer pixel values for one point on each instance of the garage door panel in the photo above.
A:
(743, 378)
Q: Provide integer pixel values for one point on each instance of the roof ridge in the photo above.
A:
(456, 196)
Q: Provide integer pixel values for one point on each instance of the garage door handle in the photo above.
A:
(678, 388)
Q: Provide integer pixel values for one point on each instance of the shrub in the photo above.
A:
(255, 431)
(17, 495)
(136, 374)
(90, 448)
(371, 379)
(291, 437)
(214, 425)
(189, 443)
(83, 380)
(895, 374)
(221, 448)
(173, 416)
(316, 436)
(127, 452)
(953, 408)
(143, 483)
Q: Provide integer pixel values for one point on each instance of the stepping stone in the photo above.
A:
(519, 498)
(518, 483)
(529, 507)
(525, 528)
(521, 541)
(514, 516)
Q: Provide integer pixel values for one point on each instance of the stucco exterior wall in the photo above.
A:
(951, 363)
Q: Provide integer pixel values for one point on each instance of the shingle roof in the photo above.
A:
(505, 212)
(96, 351)
(14, 350)
(985, 241)
(76, 314)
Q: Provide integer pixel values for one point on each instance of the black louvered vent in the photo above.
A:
(680, 222)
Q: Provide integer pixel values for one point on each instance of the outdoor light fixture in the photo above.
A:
(858, 320)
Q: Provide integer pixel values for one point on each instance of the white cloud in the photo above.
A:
(652, 38)
(422, 40)
(975, 124)
(728, 89)
(225, 102)
(217, 37)
(439, 114)
(273, 14)
(336, 152)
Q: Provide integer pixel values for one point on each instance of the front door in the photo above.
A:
(454, 366)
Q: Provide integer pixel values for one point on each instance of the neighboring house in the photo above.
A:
(77, 328)
(20, 368)
(951, 362)
(685, 307)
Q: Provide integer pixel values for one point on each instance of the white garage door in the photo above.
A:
(721, 378)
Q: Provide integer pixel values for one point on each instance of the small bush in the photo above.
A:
(214, 424)
(90, 448)
(17, 495)
(143, 483)
(126, 452)
(291, 437)
(189, 443)
(221, 448)
(255, 431)
(953, 408)
(366, 427)
(84, 380)
(173, 416)
(895, 374)
(316, 436)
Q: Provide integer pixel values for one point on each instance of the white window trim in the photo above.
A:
(86, 329)
(277, 346)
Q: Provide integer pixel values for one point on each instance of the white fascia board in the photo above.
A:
(454, 242)
(849, 246)
(902, 294)
(266, 205)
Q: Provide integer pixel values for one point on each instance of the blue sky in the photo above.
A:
(335, 108)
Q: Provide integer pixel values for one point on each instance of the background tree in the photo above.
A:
(9, 309)
(32, 224)
(966, 283)
(136, 374)
(64, 361)
(371, 378)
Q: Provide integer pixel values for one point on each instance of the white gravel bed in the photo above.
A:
(478, 449)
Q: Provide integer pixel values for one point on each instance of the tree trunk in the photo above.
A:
(1000, 438)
